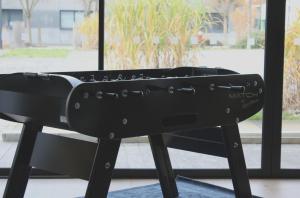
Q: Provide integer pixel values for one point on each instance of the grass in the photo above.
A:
(37, 53)
(285, 116)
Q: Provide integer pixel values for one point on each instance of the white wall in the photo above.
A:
(46, 4)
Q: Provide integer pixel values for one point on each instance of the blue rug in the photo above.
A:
(187, 189)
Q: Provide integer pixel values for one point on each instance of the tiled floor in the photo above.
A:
(138, 155)
(66, 188)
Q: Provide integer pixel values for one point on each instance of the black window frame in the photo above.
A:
(272, 113)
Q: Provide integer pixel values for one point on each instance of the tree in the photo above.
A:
(243, 19)
(88, 6)
(0, 24)
(224, 7)
(28, 7)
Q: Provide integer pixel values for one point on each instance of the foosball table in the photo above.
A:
(192, 109)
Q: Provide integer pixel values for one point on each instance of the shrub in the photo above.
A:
(291, 96)
(89, 29)
(259, 38)
(151, 33)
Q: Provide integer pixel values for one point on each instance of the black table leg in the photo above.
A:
(104, 163)
(236, 161)
(18, 178)
(163, 166)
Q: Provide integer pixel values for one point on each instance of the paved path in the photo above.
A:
(243, 61)
(76, 61)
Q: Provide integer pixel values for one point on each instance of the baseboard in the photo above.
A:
(247, 138)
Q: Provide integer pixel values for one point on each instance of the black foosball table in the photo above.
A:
(192, 109)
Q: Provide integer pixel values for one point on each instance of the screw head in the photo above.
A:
(237, 120)
(255, 83)
(124, 121)
(86, 95)
(171, 90)
(77, 106)
(125, 93)
(111, 136)
(148, 91)
(227, 110)
(99, 95)
(107, 165)
(260, 91)
(212, 87)
(235, 145)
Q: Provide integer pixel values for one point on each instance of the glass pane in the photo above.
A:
(291, 97)
(79, 17)
(67, 19)
(173, 33)
(49, 49)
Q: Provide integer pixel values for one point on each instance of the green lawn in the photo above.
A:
(37, 53)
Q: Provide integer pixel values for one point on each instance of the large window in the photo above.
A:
(291, 98)
(68, 18)
(10, 16)
(45, 47)
(159, 34)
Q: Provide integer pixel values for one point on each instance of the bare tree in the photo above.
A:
(1, 24)
(28, 7)
(88, 6)
(224, 7)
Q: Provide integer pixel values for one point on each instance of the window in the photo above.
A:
(68, 18)
(10, 16)
(215, 24)
(52, 49)
(143, 35)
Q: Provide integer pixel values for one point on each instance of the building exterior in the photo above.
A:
(52, 21)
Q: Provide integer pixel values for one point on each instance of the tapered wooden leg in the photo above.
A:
(163, 166)
(236, 161)
(104, 163)
(19, 175)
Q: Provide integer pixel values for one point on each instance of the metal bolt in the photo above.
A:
(86, 95)
(148, 91)
(99, 95)
(125, 93)
(124, 121)
(171, 90)
(111, 136)
(235, 145)
(260, 91)
(107, 165)
(255, 83)
(212, 87)
(237, 120)
(77, 105)
(227, 110)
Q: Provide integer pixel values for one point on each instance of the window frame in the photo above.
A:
(272, 114)
(8, 14)
(74, 18)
